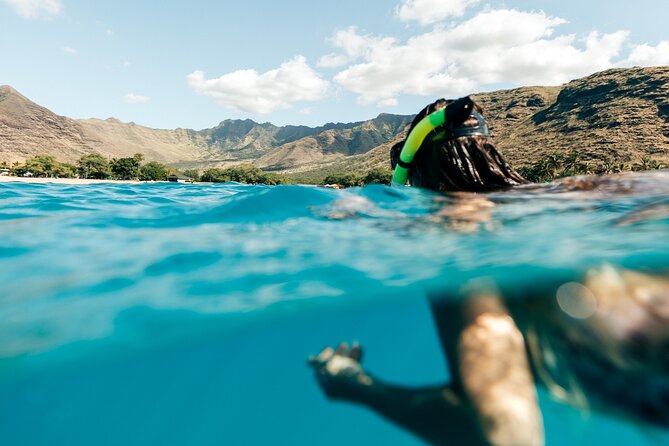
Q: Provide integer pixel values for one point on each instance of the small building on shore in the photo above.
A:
(179, 179)
(4, 172)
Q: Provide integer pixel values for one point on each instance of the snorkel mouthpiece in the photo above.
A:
(454, 114)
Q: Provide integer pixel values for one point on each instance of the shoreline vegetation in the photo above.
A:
(95, 168)
(560, 165)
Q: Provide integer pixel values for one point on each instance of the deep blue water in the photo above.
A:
(182, 314)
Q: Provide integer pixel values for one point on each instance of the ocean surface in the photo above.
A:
(171, 314)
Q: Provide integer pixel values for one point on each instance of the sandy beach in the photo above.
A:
(10, 179)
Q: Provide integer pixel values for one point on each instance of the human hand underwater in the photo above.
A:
(339, 372)
(464, 212)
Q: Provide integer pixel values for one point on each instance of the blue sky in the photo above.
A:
(193, 64)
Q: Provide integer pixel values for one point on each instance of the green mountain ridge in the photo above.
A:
(249, 140)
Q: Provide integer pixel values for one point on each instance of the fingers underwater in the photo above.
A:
(353, 352)
(356, 352)
(342, 348)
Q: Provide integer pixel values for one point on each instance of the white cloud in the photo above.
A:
(332, 60)
(35, 8)
(132, 98)
(125, 64)
(246, 90)
(544, 61)
(352, 46)
(495, 46)
(502, 27)
(427, 12)
(68, 50)
(647, 55)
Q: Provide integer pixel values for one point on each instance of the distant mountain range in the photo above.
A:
(27, 129)
(618, 115)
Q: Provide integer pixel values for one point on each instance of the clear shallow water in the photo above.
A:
(182, 314)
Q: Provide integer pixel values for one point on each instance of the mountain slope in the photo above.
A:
(332, 144)
(118, 139)
(618, 115)
(27, 129)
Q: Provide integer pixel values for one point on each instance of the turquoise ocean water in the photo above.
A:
(168, 314)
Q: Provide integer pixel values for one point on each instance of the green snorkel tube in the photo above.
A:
(413, 143)
(456, 113)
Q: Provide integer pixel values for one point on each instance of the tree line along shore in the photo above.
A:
(97, 167)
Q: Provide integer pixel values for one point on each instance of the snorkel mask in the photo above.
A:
(446, 124)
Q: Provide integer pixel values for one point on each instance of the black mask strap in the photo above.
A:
(457, 113)
(480, 129)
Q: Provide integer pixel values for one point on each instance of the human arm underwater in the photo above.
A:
(437, 414)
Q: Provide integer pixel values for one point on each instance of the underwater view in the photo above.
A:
(184, 314)
(399, 223)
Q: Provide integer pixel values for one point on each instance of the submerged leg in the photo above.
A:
(495, 374)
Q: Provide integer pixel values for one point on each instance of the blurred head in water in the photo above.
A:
(458, 156)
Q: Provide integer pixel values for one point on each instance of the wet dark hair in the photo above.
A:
(464, 163)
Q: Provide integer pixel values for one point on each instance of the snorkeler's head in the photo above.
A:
(459, 155)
